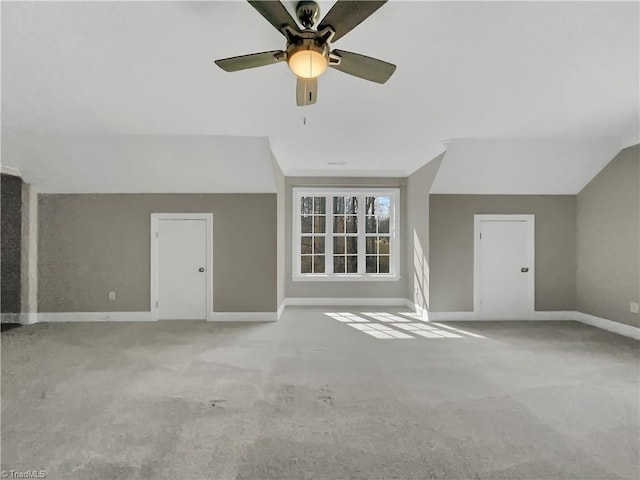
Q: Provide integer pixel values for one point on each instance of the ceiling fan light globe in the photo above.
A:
(307, 63)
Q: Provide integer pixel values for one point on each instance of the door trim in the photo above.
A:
(530, 220)
(155, 217)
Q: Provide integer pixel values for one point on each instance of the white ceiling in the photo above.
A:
(499, 70)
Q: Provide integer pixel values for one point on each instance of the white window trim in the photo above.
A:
(394, 234)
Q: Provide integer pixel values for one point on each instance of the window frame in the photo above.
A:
(394, 234)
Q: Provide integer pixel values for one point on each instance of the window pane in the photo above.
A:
(305, 245)
(372, 264)
(384, 264)
(318, 264)
(346, 230)
(305, 264)
(352, 264)
(305, 224)
(383, 246)
(383, 205)
(307, 205)
(319, 224)
(383, 224)
(352, 205)
(352, 224)
(352, 245)
(370, 224)
(319, 205)
(370, 205)
(371, 245)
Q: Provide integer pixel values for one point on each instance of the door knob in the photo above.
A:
(201, 269)
(524, 269)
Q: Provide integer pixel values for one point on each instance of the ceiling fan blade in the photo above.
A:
(364, 67)
(306, 91)
(253, 60)
(275, 13)
(346, 15)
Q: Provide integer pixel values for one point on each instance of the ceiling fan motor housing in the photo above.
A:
(308, 13)
(314, 44)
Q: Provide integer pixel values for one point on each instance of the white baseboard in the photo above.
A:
(12, 317)
(93, 317)
(244, 317)
(473, 316)
(346, 302)
(609, 325)
(451, 316)
(138, 317)
(554, 315)
(602, 323)
(21, 318)
(564, 315)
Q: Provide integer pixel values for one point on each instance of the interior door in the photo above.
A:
(504, 270)
(182, 260)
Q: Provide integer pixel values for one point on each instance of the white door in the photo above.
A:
(505, 270)
(181, 269)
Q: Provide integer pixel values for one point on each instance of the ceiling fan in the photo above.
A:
(308, 51)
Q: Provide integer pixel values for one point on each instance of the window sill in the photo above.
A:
(345, 278)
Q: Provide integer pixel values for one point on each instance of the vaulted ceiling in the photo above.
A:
(539, 71)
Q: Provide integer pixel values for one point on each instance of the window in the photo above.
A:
(345, 234)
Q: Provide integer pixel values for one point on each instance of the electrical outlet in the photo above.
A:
(633, 307)
(112, 296)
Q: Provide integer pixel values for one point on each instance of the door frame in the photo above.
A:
(155, 218)
(531, 253)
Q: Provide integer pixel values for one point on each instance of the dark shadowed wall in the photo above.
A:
(11, 224)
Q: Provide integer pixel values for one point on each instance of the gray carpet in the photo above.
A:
(320, 397)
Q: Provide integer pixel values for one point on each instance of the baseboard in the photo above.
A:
(609, 325)
(347, 302)
(473, 316)
(244, 317)
(563, 315)
(11, 317)
(420, 312)
(554, 315)
(451, 316)
(93, 317)
(598, 322)
(146, 317)
(28, 318)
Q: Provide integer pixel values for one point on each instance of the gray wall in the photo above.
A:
(92, 244)
(451, 247)
(280, 195)
(10, 233)
(392, 289)
(29, 261)
(417, 232)
(608, 211)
